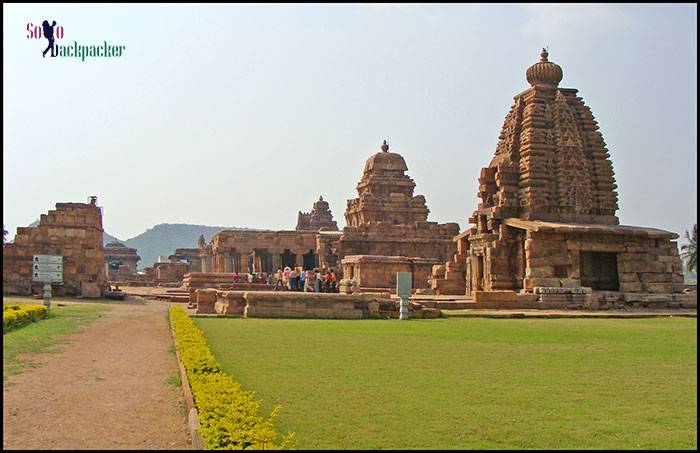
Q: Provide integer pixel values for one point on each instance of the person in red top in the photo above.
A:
(330, 281)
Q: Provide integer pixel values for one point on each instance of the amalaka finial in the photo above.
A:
(385, 147)
(544, 73)
(320, 198)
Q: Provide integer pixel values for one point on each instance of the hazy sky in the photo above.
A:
(242, 115)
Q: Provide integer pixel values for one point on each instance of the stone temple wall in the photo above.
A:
(72, 230)
(428, 240)
(606, 258)
(369, 271)
(267, 250)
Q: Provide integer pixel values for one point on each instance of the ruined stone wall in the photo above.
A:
(72, 230)
(170, 272)
(192, 256)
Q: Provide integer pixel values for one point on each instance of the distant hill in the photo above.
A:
(163, 239)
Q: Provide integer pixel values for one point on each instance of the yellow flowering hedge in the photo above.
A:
(228, 415)
(15, 315)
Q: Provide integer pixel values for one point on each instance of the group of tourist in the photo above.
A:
(294, 279)
(297, 279)
(251, 278)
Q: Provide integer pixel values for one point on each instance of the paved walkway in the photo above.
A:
(107, 389)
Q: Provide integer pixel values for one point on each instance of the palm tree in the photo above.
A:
(690, 250)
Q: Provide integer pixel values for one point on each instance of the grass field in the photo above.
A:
(44, 335)
(469, 383)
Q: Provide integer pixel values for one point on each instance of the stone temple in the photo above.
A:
(387, 231)
(547, 211)
(121, 261)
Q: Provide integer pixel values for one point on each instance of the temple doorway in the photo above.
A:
(599, 270)
(309, 261)
(262, 260)
(288, 259)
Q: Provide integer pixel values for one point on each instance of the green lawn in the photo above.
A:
(44, 335)
(469, 383)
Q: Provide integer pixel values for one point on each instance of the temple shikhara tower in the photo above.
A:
(548, 203)
(319, 218)
(388, 229)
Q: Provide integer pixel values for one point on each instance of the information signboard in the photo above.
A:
(403, 284)
(47, 268)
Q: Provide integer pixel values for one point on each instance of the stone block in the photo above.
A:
(628, 277)
(658, 287)
(206, 306)
(90, 290)
(656, 278)
(689, 300)
(633, 287)
(207, 296)
(495, 296)
(540, 281)
(542, 271)
(561, 260)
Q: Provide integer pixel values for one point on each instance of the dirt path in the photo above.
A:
(107, 389)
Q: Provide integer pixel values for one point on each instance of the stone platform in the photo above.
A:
(273, 304)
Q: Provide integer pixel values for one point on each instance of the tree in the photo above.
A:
(690, 250)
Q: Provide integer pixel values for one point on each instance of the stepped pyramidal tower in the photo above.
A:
(387, 228)
(547, 211)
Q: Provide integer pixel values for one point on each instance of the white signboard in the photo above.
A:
(403, 284)
(47, 268)
(48, 259)
(52, 277)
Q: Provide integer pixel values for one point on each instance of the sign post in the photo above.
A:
(47, 269)
(404, 282)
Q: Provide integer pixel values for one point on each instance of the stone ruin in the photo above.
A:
(72, 230)
(320, 218)
(546, 223)
(121, 261)
(189, 255)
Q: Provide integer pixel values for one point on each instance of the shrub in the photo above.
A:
(16, 315)
(228, 415)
